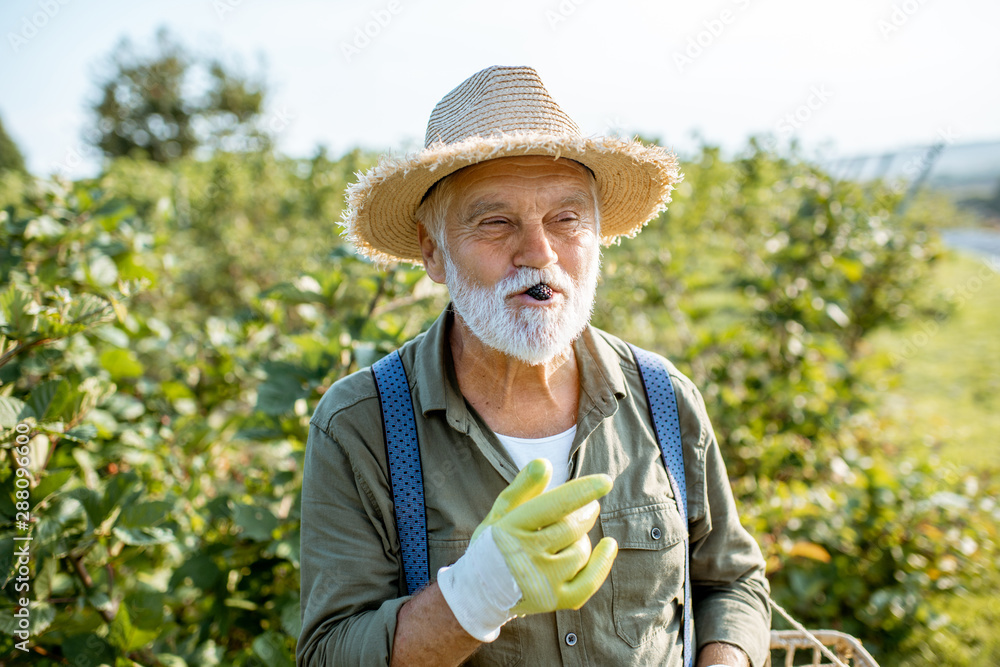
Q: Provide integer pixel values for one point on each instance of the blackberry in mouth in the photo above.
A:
(540, 292)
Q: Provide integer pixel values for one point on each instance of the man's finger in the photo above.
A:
(590, 578)
(566, 565)
(530, 482)
(553, 505)
(569, 529)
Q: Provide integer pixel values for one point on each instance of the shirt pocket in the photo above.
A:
(648, 574)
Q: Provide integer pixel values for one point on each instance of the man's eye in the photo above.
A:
(493, 221)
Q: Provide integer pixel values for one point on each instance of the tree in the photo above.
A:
(165, 105)
(10, 156)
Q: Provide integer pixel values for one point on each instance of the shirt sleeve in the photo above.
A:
(349, 576)
(730, 592)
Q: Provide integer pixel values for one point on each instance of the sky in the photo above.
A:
(843, 78)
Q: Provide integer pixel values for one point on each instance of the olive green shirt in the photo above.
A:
(352, 573)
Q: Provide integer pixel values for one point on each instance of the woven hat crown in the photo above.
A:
(497, 100)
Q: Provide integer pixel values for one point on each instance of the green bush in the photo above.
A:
(168, 330)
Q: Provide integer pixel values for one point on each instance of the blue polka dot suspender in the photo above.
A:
(404, 467)
(663, 409)
(406, 478)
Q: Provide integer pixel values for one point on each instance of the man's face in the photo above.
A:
(515, 223)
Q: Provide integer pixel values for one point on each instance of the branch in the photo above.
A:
(385, 278)
(21, 347)
(88, 584)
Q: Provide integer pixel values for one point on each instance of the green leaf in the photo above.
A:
(50, 483)
(121, 364)
(241, 603)
(81, 434)
(146, 607)
(10, 411)
(201, 570)
(100, 601)
(89, 649)
(176, 390)
(44, 227)
(851, 268)
(111, 213)
(111, 334)
(143, 536)
(257, 522)
(136, 523)
(40, 617)
(145, 514)
(92, 505)
(45, 573)
(89, 309)
(7, 512)
(125, 636)
(284, 385)
(48, 398)
(7, 546)
(119, 490)
(17, 312)
(101, 269)
(271, 648)
(289, 293)
(172, 660)
(125, 407)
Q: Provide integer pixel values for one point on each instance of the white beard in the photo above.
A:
(533, 335)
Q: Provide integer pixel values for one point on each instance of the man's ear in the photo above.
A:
(432, 256)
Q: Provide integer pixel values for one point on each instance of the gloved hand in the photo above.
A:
(531, 553)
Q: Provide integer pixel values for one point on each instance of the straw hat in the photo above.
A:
(502, 112)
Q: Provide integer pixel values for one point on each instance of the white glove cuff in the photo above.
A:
(480, 589)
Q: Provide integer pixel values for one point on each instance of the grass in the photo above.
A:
(948, 394)
(968, 638)
(949, 387)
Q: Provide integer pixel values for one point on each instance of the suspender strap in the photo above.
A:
(405, 476)
(663, 409)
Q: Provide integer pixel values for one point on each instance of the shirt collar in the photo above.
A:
(601, 375)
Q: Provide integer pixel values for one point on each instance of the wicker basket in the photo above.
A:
(786, 643)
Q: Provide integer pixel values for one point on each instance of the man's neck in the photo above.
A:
(513, 397)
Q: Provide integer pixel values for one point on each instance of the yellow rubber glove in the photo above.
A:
(542, 536)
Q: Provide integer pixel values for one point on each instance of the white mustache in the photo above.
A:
(527, 277)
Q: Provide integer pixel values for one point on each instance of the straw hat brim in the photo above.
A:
(634, 183)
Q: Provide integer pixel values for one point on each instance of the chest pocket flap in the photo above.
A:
(647, 578)
(649, 527)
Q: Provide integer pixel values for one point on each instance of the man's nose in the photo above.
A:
(534, 247)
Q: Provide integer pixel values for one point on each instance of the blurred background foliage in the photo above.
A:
(167, 328)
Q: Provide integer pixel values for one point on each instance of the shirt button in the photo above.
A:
(570, 639)
(655, 533)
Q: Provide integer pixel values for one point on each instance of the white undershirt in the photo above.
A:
(555, 448)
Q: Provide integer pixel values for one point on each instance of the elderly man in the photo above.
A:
(549, 525)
